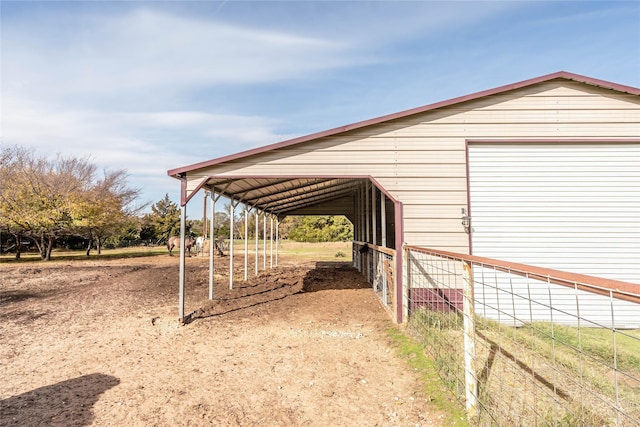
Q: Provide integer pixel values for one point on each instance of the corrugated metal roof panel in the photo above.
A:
(285, 195)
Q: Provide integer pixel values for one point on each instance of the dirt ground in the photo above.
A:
(97, 342)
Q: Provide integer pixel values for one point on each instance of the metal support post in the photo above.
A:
(470, 380)
(183, 221)
(246, 242)
(232, 208)
(383, 220)
(367, 215)
(362, 221)
(204, 218)
(257, 240)
(358, 235)
(212, 207)
(356, 221)
(264, 240)
(270, 241)
(374, 217)
(277, 238)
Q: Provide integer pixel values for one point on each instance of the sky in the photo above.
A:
(149, 86)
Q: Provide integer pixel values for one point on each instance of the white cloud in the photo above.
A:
(129, 82)
(143, 143)
(145, 50)
(112, 87)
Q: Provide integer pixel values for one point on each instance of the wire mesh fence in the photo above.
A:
(376, 264)
(543, 347)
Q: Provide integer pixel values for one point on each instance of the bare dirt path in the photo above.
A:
(97, 342)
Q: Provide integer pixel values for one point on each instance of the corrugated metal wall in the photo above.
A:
(421, 160)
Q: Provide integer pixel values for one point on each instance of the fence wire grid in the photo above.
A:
(376, 264)
(543, 351)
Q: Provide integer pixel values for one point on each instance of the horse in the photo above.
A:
(218, 245)
(174, 242)
(199, 245)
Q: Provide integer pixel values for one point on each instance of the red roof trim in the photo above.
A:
(405, 113)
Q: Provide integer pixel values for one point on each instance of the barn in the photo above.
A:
(544, 172)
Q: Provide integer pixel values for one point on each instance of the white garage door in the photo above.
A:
(571, 206)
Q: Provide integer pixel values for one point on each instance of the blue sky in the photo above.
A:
(150, 86)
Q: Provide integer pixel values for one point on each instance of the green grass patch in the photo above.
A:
(325, 251)
(597, 343)
(433, 386)
(67, 255)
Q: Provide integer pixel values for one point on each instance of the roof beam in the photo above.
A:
(311, 201)
(306, 194)
(270, 184)
(277, 191)
(302, 189)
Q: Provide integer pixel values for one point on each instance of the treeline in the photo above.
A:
(50, 203)
(45, 200)
(318, 228)
(324, 228)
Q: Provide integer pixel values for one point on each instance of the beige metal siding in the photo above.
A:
(421, 159)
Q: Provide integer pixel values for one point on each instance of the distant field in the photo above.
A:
(316, 251)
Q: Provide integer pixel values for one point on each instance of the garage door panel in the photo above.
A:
(570, 206)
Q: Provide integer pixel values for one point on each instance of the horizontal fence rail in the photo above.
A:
(524, 345)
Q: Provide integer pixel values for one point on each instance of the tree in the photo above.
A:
(104, 210)
(37, 201)
(147, 232)
(45, 200)
(165, 218)
(130, 232)
(221, 222)
(10, 158)
(318, 228)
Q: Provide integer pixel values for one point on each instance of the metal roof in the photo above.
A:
(286, 195)
(402, 114)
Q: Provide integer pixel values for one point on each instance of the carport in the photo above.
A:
(450, 176)
(271, 198)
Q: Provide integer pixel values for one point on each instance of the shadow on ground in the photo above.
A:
(67, 403)
(280, 283)
(333, 276)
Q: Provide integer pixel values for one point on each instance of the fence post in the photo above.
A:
(406, 283)
(471, 385)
